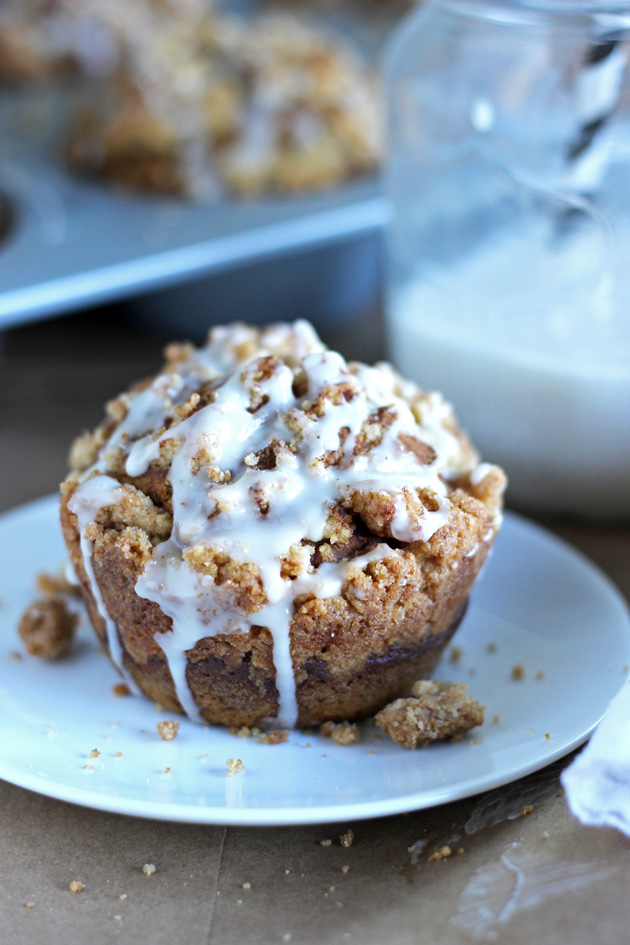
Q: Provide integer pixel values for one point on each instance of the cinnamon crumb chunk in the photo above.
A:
(168, 730)
(342, 733)
(518, 671)
(75, 886)
(433, 712)
(121, 689)
(235, 766)
(149, 869)
(346, 838)
(47, 628)
(442, 854)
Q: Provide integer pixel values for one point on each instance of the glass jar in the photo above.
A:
(509, 243)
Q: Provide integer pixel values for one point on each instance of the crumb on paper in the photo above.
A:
(121, 689)
(168, 730)
(47, 628)
(342, 733)
(527, 810)
(346, 838)
(235, 766)
(455, 654)
(149, 869)
(433, 712)
(442, 853)
(518, 671)
(76, 886)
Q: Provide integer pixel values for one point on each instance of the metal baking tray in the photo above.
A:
(72, 242)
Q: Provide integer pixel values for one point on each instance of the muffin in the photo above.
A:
(266, 531)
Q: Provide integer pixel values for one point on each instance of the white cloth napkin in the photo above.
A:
(597, 784)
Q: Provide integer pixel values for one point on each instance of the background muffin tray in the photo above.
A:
(71, 242)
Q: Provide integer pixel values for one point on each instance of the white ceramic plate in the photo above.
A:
(542, 605)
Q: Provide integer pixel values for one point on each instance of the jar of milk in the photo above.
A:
(509, 244)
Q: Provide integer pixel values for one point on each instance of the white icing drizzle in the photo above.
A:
(257, 516)
(88, 499)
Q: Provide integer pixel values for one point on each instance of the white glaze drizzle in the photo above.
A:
(297, 493)
(93, 495)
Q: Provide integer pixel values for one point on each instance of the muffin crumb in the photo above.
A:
(276, 737)
(346, 838)
(518, 671)
(121, 689)
(168, 730)
(342, 733)
(443, 853)
(76, 886)
(235, 766)
(47, 628)
(433, 712)
(149, 869)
